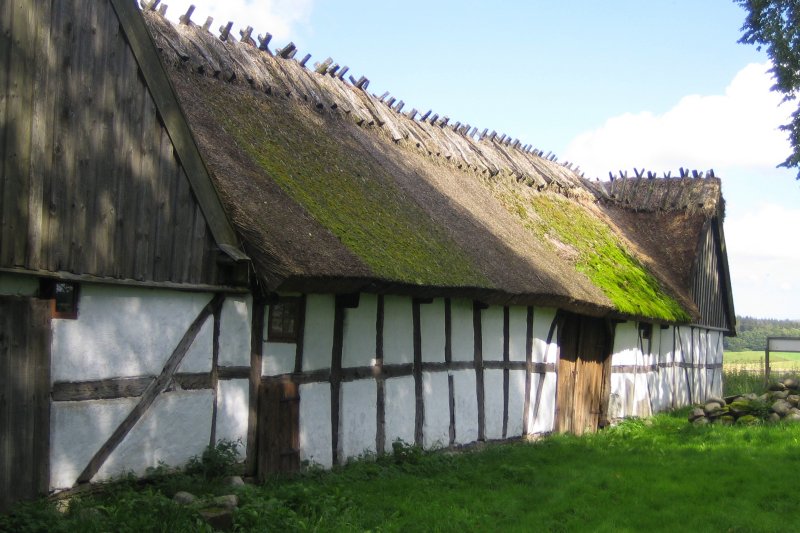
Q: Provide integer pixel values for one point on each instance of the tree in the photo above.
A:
(775, 24)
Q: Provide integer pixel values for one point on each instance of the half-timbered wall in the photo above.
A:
(123, 341)
(89, 183)
(674, 367)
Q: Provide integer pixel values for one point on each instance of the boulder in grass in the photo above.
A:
(780, 395)
(791, 383)
(793, 399)
(712, 409)
(792, 417)
(229, 501)
(702, 421)
(740, 407)
(696, 413)
(219, 519)
(781, 407)
(747, 420)
(774, 417)
(184, 498)
(777, 386)
(726, 420)
(714, 399)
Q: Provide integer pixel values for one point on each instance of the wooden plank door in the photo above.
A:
(278, 428)
(583, 374)
(24, 399)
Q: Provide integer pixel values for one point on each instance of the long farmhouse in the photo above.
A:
(206, 238)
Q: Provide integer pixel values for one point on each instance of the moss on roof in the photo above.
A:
(345, 190)
(597, 252)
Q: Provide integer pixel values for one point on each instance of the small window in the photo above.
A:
(284, 320)
(63, 296)
(646, 331)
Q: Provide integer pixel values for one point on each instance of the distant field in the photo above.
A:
(777, 360)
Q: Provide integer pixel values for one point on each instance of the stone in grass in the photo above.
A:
(777, 386)
(233, 481)
(774, 417)
(712, 408)
(696, 413)
(219, 519)
(782, 407)
(714, 399)
(792, 417)
(791, 383)
(726, 420)
(702, 421)
(793, 399)
(780, 395)
(229, 501)
(740, 407)
(747, 420)
(184, 498)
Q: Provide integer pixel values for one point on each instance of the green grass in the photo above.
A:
(661, 476)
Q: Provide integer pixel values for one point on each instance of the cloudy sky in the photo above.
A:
(607, 85)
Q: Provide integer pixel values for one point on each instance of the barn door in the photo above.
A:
(583, 373)
(24, 399)
(278, 428)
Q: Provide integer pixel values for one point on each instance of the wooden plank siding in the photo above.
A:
(89, 179)
(708, 288)
(24, 399)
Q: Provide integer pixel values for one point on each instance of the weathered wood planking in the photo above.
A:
(278, 429)
(24, 399)
(90, 183)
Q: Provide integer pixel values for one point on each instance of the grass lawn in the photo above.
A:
(664, 475)
(777, 360)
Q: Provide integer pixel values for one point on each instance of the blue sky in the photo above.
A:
(607, 85)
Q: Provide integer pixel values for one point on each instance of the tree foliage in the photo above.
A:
(775, 24)
(752, 333)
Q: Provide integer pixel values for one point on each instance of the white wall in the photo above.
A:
(125, 331)
(399, 410)
(436, 397)
(233, 408)
(463, 338)
(516, 402)
(18, 284)
(234, 333)
(517, 333)
(358, 340)
(398, 330)
(493, 400)
(431, 318)
(466, 406)
(492, 333)
(542, 351)
(315, 424)
(318, 335)
(545, 420)
(358, 418)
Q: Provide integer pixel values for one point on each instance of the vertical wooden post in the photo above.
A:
(256, 353)
(336, 379)
(766, 365)
(212, 439)
(526, 406)
(301, 333)
(419, 418)
(478, 359)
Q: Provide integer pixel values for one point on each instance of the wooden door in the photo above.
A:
(583, 374)
(278, 428)
(24, 399)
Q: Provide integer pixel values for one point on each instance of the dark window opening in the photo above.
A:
(284, 320)
(646, 331)
(63, 296)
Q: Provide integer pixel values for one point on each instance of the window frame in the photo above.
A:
(48, 290)
(282, 335)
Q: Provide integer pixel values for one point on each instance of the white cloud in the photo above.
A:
(736, 129)
(281, 18)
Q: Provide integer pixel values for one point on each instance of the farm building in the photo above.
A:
(204, 238)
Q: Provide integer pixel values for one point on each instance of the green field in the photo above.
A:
(755, 360)
(659, 475)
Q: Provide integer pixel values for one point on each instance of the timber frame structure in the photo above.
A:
(203, 238)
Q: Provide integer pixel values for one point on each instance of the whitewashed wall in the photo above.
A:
(126, 332)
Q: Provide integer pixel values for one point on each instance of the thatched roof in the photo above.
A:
(333, 190)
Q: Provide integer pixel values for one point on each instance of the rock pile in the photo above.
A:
(216, 512)
(780, 403)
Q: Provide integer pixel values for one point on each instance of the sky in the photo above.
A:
(609, 86)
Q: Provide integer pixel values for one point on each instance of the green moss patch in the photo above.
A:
(347, 191)
(599, 254)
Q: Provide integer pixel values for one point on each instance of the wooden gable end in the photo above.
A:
(711, 288)
(90, 181)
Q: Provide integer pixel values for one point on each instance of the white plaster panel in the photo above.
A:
(358, 418)
(493, 403)
(542, 351)
(544, 421)
(641, 406)
(77, 431)
(399, 410)
(784, 345)
(200, 354)
(233, 408)
(358, 340)
(318, 335)
(234, 332)
(436, 397)
(618, 396)
(492, 333)
(626, 344)
(463, 335)
(398, 330)
(685, 337)
(122, 331)
(175, 428)
(431, 318)
(516, 402)
(315, 424)
(278, 358)
(18, 284)
(466, 406)
(517, 333)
